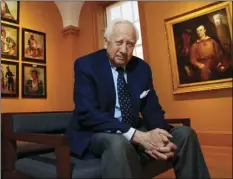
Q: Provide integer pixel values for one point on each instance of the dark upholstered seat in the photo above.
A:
(45, 152)
(44, 166)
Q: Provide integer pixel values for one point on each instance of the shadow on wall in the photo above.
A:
(220, 93)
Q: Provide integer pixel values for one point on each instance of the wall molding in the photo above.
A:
(70, 30)
(215, 138)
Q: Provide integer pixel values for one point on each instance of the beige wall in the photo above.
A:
(210, 111)
(45, 17)
(62, 51)
(85, 41)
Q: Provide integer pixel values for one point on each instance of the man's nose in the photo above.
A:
(123, 49)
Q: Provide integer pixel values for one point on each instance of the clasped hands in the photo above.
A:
(156, 143)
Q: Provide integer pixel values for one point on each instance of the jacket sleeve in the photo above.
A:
(151, 110)
(87, 108)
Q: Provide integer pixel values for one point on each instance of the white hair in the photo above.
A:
(111, 26)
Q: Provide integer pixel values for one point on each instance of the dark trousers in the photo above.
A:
(121, 159)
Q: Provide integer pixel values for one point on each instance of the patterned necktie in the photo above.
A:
(125, 99)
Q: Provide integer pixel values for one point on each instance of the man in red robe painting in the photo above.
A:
(208, 57)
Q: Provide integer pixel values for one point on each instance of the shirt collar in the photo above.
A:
(114, 67)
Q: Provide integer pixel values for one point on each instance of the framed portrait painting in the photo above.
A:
(9, 79)
(33, 46)
(200, 48)
(10, 11)
(9, 41)
(34, 81)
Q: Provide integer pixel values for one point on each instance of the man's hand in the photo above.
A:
(164, 135)
(156, 143)
(167, 150)
(163, 153)
(149, 140)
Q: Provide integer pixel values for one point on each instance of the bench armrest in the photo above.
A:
(48, 139)
(59, 142)
(184, 121)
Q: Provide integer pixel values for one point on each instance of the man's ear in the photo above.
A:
(105, 42)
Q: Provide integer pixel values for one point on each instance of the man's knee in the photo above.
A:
(185, 133)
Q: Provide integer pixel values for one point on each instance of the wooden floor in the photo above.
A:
(218, 159)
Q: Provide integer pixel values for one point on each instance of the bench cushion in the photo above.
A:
(44, 166)
(41, 122)
(25, 149)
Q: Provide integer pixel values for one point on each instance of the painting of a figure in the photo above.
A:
(9, 41)
(9, 79)
(34, 81)
(10, 11)
(34, 46)
(203, 48)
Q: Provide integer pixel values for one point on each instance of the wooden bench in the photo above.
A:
(45, 151)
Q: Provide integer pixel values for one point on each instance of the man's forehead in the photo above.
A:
(124, 39)
(120, 37)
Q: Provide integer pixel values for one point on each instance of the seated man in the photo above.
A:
(111, 88)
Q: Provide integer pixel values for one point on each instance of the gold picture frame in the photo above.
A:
(199, 45)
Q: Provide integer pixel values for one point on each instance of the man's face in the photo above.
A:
(121, 44)
(32, 37)
(34, 75)
(201, 31)
(3, 33)
(217, 19)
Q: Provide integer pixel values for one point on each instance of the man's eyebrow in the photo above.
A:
(131, 41)
(118, 39)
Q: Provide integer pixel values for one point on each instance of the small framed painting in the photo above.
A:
(34, 81)
(9, 79)
(9, 41)
(10, 11)
(33, 46)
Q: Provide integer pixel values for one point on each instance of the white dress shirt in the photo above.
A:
(117, 113)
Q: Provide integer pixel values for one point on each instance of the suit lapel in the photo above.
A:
(106, 79)
(132, 84)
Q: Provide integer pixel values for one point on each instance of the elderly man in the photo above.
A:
(111, 88)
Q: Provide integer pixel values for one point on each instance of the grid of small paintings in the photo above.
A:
(33, 56)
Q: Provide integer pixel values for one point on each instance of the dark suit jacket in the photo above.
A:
(95, 98)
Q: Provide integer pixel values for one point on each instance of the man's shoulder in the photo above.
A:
(91, 57)
(140, 63)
